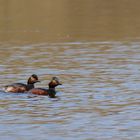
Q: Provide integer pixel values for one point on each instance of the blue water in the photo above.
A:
(99, 98)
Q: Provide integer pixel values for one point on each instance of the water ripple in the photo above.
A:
(99, 97)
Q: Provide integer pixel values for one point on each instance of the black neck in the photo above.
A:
(52, 88)
(52, 92)
(30, 86)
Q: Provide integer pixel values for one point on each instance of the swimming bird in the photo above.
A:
(50, 91)
(20, 87)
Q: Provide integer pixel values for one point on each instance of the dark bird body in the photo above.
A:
(20, 87)
(48, 92)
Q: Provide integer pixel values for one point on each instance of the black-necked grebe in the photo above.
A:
(20, 87)
(50, 92)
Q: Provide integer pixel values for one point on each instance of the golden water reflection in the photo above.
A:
(69, 20)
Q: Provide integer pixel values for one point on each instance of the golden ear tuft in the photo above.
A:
(54, 81)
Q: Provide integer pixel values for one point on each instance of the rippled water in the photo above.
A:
(99, 98)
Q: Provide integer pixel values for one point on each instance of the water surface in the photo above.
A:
(93, 46)
(99, 98)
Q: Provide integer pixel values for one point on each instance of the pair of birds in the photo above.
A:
(29, 87)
